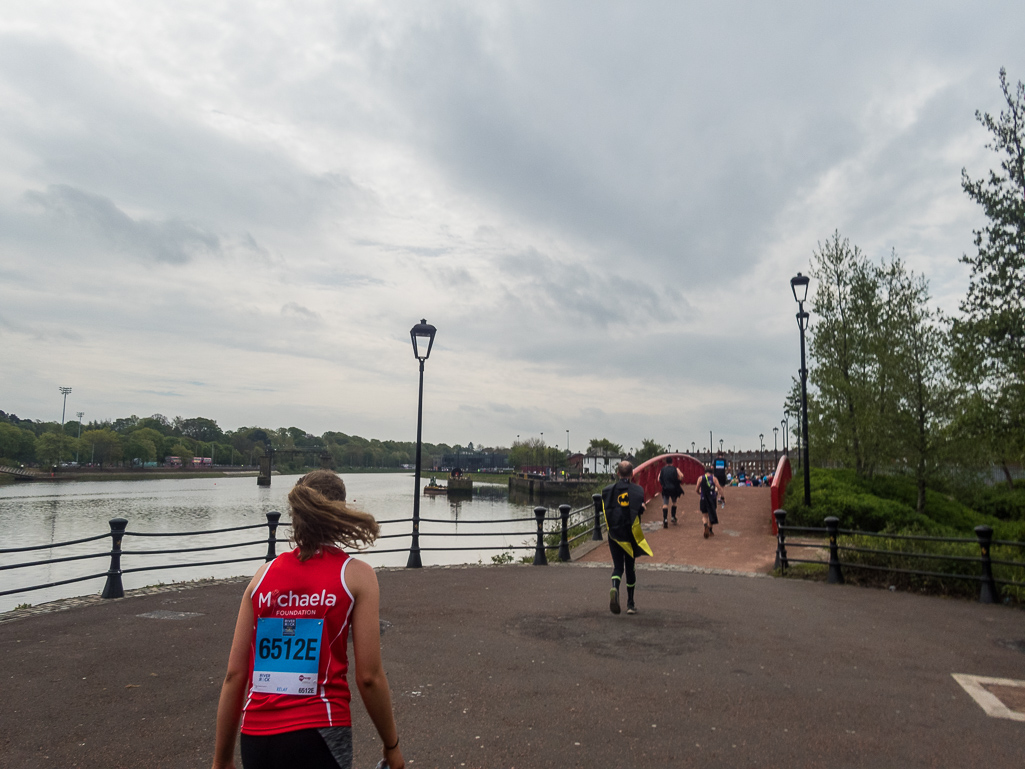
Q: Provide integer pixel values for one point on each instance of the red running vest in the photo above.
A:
(291, 594)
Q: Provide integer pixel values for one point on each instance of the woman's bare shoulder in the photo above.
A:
(360, 574)
(257, 577)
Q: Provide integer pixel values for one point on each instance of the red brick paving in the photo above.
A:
(743, 539)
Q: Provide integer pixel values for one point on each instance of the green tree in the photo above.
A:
(183, 452)
(854, 395)
(102, 445)
(156, 422)
(124, 424)
(16, 443)
(604, 445)
(147, 434)
(649, 448)
(50, 448)
(527, 453)
(989, 336)
(918, 354)
(199, 428)
(138, 446)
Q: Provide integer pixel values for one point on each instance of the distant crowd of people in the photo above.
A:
(743, 479)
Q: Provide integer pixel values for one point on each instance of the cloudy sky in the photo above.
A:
(238, 210)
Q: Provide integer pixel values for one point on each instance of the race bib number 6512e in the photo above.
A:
(287, 655)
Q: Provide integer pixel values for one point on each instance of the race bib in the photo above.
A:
(287, 655)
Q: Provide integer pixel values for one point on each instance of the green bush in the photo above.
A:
(1001, 502)
(885, 504)
(908, 555)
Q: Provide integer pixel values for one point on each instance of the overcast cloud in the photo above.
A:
(238, 211)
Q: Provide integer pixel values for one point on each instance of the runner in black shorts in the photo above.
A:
(671, 480)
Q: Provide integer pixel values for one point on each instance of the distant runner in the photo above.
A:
(709, 489)
(671, 480)
(719, 468)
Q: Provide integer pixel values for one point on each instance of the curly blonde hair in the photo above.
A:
(321, 517)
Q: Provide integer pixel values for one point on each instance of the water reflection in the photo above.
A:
(34, 514)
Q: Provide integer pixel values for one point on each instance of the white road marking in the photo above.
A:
(988, 701)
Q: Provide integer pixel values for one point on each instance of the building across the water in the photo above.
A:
(473, 461)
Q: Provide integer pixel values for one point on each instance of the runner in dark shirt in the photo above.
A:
(671, 480)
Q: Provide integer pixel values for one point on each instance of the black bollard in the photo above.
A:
(988, 592)
(564, 541)
(835, 576)
(272, 526)
(781, 548)
(540, 559)
(113, 587)
(596, 534)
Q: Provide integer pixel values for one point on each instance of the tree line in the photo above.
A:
(896, 385)
(134, 441)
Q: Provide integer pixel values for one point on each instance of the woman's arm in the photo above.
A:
(233, 690)
(366, 646)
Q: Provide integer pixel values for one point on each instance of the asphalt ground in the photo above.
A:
(524, 666)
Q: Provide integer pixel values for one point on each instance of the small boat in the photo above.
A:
(433, 488)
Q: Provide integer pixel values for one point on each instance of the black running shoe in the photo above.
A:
(630, 608)
(614, 600)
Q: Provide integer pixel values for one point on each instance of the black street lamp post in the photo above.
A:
(761, 448)
(785, 424)
(775, 450)
(422, 334)
(799, 285)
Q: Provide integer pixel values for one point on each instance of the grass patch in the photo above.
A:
(812, 571)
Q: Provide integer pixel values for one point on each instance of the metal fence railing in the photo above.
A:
(937, 558)
(566, 529)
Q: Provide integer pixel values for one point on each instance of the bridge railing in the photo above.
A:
(941, 560)
(780, 480)
(646, 474)
(564, 530)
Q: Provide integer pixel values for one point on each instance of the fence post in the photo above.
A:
(113, 587)
(596, 534)
(988, 591)
(781, 548)
(540, 559)
(272, 534)
(564, 540)
(835, 576)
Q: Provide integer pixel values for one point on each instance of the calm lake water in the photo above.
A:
(42, 513)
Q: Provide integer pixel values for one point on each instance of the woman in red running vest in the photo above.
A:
(286, 681)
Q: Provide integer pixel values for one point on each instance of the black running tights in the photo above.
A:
(619, 560)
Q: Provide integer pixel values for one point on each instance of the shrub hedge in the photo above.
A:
(887, 504)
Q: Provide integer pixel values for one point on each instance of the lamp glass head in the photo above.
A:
(799, 285)
(422, 335)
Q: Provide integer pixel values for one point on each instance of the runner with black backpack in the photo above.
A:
(709, 489)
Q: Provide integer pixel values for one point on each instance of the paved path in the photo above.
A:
(522, 666)
(743, 539)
